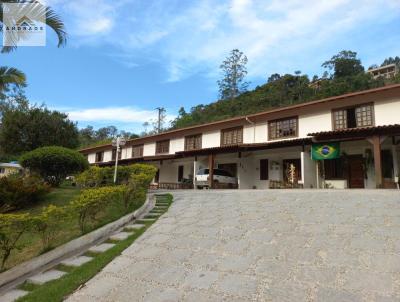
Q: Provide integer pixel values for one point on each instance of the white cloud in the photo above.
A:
(192, 36)
(109, 114)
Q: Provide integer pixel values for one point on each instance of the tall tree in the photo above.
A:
(344, 64)
(233, 71)
(27, 128)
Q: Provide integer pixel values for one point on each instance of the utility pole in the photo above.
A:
(161, 110)
(118, 142)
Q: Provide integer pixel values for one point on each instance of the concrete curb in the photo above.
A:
(75, 245)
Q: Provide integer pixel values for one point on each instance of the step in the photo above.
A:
(120, 236)
(162, 204)
(153, 215)
(76, 261)
(100, 248)
(146, 220)
(134, 226)
(13, 295)
(46, 277)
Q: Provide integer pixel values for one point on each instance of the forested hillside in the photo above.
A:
(343, 73)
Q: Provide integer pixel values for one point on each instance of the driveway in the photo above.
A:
(277, 245)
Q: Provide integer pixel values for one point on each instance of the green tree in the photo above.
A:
(344, 64)
(54, 164)
(233, 71)
(27, 128)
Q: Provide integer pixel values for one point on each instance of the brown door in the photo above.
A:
(356, 171)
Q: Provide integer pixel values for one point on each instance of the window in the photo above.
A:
(137, 151)
(99, 156)
(263, 169)
(180, 173)
(114, 154)
(333, 168)
(232, 136)
(353, 117)
(162, 147)
(282, 128)
(364, 116)
(193, 142)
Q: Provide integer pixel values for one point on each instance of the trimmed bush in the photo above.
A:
(12, 227)
(47, 224)
(54, 164)
(97, 177)
(91, 201)
(17, 192)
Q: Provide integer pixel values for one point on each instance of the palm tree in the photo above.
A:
(9, 76)
(39, 12)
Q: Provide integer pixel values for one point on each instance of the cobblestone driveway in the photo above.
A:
(294, 245)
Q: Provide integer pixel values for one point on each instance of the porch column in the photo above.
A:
(194, 174)
(376, 141)
(395, 164)
(211, 170)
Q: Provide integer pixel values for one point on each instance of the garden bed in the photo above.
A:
(30, 242)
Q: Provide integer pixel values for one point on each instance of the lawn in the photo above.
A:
(30, 243)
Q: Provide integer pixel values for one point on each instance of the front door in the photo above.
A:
(356, 171)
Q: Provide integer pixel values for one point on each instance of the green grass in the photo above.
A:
(57, 290)
(30, 243)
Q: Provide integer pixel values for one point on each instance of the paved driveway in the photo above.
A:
(278, 245)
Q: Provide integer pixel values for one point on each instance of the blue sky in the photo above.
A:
(126, 57)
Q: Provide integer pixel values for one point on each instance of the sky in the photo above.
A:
(124, 58)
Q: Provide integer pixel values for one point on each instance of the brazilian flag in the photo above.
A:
(325, 151)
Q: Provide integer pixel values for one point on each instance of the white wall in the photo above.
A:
(126, 152)
(107, 156)
(211, 139)
(176, 145)
(387, 112)
(149, 149)
(169, 170)
(92, 158)
(308, 170)
(315, 122)
(257, 133)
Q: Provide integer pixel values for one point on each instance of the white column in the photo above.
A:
(194, 174)
(395, 165)
(303, 179)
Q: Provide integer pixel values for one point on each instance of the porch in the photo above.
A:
(288, 164)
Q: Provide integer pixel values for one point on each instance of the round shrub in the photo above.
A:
(54, 164)
(17, 192)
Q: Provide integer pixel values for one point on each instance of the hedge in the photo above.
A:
(97, 177)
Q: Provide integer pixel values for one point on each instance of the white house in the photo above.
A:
(363, 128)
